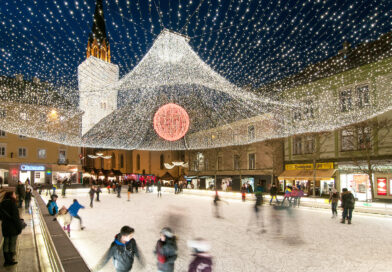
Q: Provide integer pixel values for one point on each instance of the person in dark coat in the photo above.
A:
(91, 193)
(28, 197)
(273, 193)
(123, 250)
(11, 227)
(53, 209)
(166, 250)
(159, 188)
(98, 191)
(21, 192)
(202, 261)
(333, 200)
(348, 203)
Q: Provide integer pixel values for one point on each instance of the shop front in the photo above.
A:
(62, 173)
(322, 179)
(32, 174)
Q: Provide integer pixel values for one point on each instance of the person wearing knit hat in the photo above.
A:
(166, 250)
(202, 261)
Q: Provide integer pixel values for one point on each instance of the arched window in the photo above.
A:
(95, 52)
(162, 161)
(113, 161)
(138, 162)
(122, 161)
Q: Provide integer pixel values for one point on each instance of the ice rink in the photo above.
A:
(302, 240)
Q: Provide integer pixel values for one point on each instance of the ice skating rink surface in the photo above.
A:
(298, 240)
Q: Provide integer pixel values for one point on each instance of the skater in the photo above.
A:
(122, 250)
(273, 193)
(28, 197)
(73, 211)
(98, 191)
(333, 200)
(64, 188)
(11, 227)
(53, 209)
(65, 219)
(348, 204)
(300, 195)
(54, 189)
(21, 192)
(118, 190)
(159, 188)
(202, 261)
(91, 193)
(287, 195)
(129, 191)
(216, 201)
(166, 250)
(257, 207)
(40, 188)
(243, 192)
(175, 187)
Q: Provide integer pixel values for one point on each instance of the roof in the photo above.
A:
(99, 29)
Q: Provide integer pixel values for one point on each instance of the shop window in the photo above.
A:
(309, 144)
(364, 138)
(3, 149)
(251, 132)
(41, 153)
(252, 161)
(347, 139)
(236, 162)
(345, 100)
(137, 162)
(220, 162)
(162, 161)
(363, 96)
(22, 152)
(62, 156)
(297, 145)
(113, 161)
(122, 161)
(2, 133)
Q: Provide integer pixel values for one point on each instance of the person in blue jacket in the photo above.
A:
(52, 205)
(73, 211)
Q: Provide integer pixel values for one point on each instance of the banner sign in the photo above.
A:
(27, 167)
(309, 166)
(382, 186)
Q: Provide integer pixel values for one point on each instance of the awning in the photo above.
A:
(307, 174)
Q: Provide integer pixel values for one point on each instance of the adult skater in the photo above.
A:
(216, 203)
(53, 209)
(98, 191)
(28, 197)
(122, 250)
(348, 203)
(166, 250)
(287, 195)
(159, 188)
(73, 211)
(273, 193)
(64, 188)
(21, 192)
(202, 261)
(91, 193)
(118, 187)
(333, 200)
(244, 190)
(129, 191)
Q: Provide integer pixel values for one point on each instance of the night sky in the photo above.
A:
(249, 42)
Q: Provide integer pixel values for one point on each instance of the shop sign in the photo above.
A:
(309, 166)
(382, 186)
(27, 167)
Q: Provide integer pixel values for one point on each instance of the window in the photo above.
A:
(62, 156)
(22, 152)
(297, 145)
(251, 132)
(363, 97)
(309, 144)
(3, 149)
(345, 100)
(220, 161)
(195, 165)
(309, 111)
(2, 133)
(162, 161)
(3, 113)
(236, 162)
(122, 161)
(364, 138)
(252, 161)
(348, 139)
(137, 162)
(200, 159)
(41, 153)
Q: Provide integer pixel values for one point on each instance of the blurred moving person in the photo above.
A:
(202, 261)
(348, 204)
(273, 193)
(129, 191)
(159, 188)
(98, 191)
(333, 200)
(73, 211)
(21, 192)
(91, 193)
(28, 197)
(65, 219)
(166, 250)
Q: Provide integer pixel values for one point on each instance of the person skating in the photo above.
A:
(91, 193)
(159, 188)
(28, 197)
(11, 227)
(202, 261)
(123, 251)
(53, 209)
(333, 200)
(129, 191)
(348, 204)
(244, 190)
(118, 187)
(64, 188)
(65, 219)
(73, 211)
(20, 192)
(98, 191)
(287, 195)
(166, 250)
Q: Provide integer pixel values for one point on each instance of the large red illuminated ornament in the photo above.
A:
(171, 122)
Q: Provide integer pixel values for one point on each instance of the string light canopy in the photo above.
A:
(217, 62)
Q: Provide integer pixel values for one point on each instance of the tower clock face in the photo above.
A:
(171, 122)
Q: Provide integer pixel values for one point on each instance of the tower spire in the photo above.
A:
(98, 43)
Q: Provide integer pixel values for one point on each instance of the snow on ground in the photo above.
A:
(309, 240)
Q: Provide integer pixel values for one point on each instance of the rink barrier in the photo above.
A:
(62, 254)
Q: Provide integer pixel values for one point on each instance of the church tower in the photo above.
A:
(97, 74)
